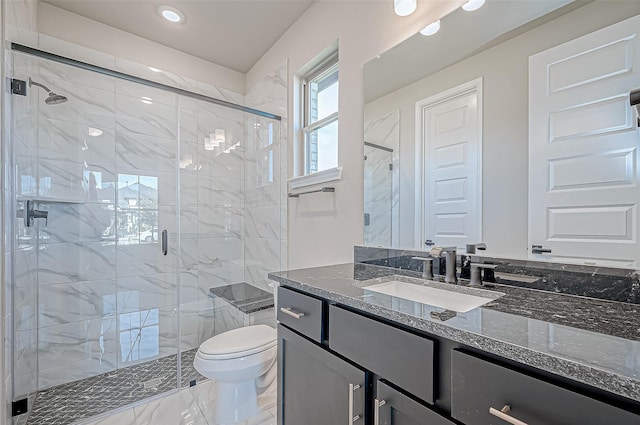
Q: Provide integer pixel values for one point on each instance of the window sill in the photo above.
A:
(319, 177)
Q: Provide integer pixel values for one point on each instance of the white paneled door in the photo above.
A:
(583, 148)
(449, 164)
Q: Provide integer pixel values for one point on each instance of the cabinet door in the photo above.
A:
(391, 407)
(316, 387)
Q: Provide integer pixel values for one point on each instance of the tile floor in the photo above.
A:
(188, 406)
(75, 401)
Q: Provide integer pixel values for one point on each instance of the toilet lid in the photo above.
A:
(240, 340)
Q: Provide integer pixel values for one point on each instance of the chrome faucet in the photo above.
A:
(451, 260)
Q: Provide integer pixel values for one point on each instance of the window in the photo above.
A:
(320, 131)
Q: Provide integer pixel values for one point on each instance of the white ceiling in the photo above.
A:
(231, 33)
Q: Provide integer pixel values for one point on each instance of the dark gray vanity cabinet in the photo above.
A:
(315, 386)
(485, 393)
(391, 407)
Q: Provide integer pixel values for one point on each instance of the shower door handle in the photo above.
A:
(165, 242)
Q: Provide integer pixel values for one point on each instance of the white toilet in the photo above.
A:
(235, 360)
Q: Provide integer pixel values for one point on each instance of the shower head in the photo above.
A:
(53, 98)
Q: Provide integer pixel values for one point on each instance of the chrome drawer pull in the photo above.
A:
(502, 414)
(377, 404)
(288, 311)
(352, 418)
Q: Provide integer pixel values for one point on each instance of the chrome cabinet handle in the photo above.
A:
(288, 312)
(502, 414)
(352, 418)
(377, 404)
(165, 242)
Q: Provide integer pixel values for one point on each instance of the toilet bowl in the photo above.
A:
(235, 360)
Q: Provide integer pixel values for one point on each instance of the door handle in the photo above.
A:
(503, 414)
(377, 404)
(538, 249)
(165, 242)
(352, 418)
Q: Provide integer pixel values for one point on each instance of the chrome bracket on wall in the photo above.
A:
(324, 189)
(30, 213)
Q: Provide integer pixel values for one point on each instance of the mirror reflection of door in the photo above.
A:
(583, 136)
(449, 165)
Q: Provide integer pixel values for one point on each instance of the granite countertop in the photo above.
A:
(592, 341)
(246, 298)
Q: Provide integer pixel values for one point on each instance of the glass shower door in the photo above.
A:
(95, 291)
(378, 193)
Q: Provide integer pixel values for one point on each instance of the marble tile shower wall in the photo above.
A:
(266, 180)
(104, 166)
(382, 184)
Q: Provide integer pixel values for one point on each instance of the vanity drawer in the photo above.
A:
(478, 385)
(301, 313)
(400, 357)
(392, 407)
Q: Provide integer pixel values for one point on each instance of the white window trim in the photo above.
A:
(319, 177)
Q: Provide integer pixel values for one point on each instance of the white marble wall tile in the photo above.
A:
(147, 335)
(59, 375)
(60, 180)
(220, 192)
(99, 183)
(263, 222)
(270, 93)
(25, 384)
(220, 222)
(143, 116)
(226, 318)
(262, 256)
(189, 222)
(220, 252)
(55, 72)
(261, 190)
(262, 317)
(73, 342)
(188, 121)
(177, 409)
(75, 262)
(90, 300)
(212, 278)
(75, 51)
(25, 352)
(218, 163)
(140, 91)
(138, 259)
(25, 307)
(189, 290)
(77, 223)
(86, 105)
(189, 254)
(70, 141)
(188, 157)
(189, 190)
(146, 292)
(138, 151)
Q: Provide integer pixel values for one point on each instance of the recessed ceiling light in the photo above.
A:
(154, 69)
(472, 5)
(146, 100)
(404, 7)
(431, 29)
(171, 14)
(94, 132)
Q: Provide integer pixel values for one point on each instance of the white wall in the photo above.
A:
(323, 228)
(79, 30)
(504, 69)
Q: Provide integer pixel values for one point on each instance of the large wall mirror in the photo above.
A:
(510, 126)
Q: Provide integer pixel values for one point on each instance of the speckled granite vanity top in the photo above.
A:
(588, 340)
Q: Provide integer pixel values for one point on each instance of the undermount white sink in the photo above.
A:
(448, 299)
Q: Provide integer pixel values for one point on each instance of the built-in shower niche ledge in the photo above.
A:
(49, 200)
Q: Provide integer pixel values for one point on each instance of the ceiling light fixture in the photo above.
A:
(404, 7)
(146, 100)
(472, 5)
(94, 132)
(171, 14)
(154, 69)
(431, 29)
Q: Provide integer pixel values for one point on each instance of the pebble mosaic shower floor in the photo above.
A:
(75, 401)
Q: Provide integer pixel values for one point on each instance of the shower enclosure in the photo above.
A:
(138, 196)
